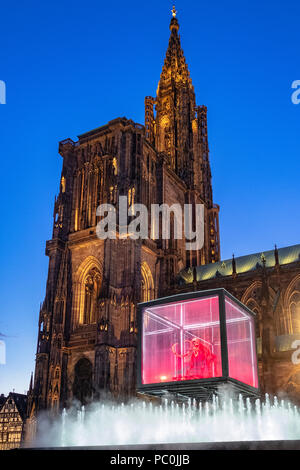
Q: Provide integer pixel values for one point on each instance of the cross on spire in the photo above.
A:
(174, 12)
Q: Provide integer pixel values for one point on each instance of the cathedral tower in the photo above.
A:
(87, 324)
(178, 129)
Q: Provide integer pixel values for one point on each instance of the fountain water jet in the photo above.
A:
(191, 348)
(138, 423)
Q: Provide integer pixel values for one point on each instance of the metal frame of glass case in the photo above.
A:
(201, 388)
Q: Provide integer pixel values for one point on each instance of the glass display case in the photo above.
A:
(191, 343)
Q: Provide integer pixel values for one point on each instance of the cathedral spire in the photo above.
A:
(177, 129)
(31, 383)
(175, 104)
(175, 66)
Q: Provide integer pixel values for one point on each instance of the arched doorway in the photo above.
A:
(82, 386)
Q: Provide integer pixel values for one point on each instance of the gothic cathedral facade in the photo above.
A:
(87, 324)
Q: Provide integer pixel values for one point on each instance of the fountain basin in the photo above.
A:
(223, 422)
(194, 446)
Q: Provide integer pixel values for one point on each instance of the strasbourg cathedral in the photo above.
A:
(87, 332)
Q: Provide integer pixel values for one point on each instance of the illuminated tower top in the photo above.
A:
(175, 67)
(177, 128)
(175, 106)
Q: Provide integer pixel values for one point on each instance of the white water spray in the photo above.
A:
(139, 422)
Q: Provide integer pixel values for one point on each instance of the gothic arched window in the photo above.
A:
(63, 184)
(251, 298)
(91, 293)
(115, 166)
(131, 194)
(294, 306)
(147, 284)
(252, 304)
(88, 280)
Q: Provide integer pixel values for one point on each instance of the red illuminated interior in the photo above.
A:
(240, 330)
(181, 341)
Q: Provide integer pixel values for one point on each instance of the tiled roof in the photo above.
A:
(244, 264)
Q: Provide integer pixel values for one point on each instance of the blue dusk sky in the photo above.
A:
(71, 66)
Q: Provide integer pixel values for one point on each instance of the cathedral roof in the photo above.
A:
(243, 264)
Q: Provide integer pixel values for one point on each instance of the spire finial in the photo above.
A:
(174, 22)
(276, 254)
(233, 265)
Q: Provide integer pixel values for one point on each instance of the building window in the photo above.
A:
(294, 306)
(115, 166)
(131, 194)
(63, 184)
(91, 293)
(147, 284)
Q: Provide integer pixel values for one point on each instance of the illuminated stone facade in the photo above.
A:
(87, 324)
